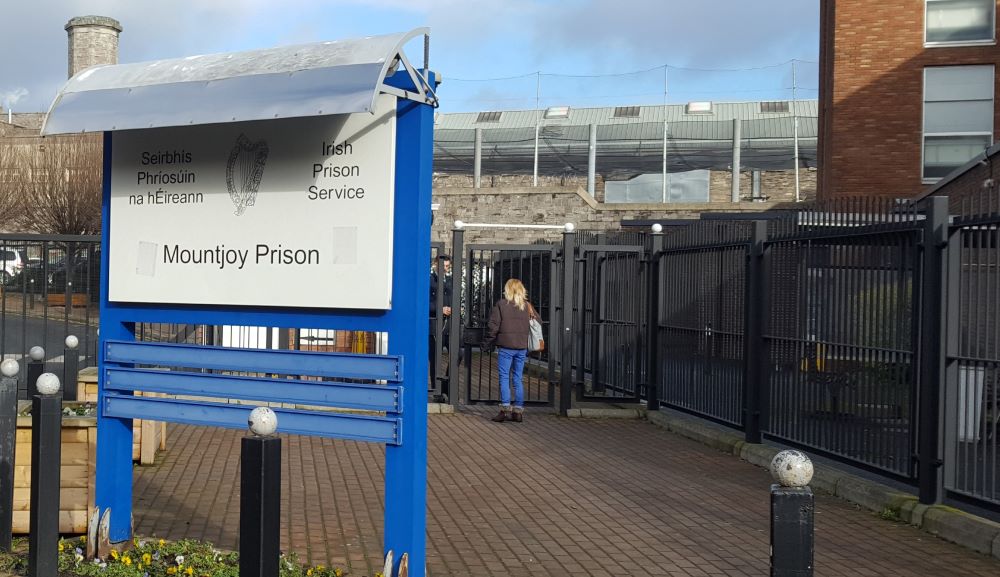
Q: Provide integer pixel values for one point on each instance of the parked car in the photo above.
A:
(85, 276)
(40, 277)
(12, 260)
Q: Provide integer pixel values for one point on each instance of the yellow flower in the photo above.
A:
(162, 542)
(171, 570)
(147, 558)
(83, 538)
(189, 570)
(114, 554)
(309, 572)
(338, 573)
(61, 547)
(127, 560)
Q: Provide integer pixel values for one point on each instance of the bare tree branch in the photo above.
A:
(62, 188)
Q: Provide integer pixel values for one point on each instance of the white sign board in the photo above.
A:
(284, 213)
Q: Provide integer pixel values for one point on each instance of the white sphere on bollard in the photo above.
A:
(10, 368)
(36, 353)
(47, 384)
(792, 469)
(72, 342)
(569, 227)
(657, 228)
(263, 421)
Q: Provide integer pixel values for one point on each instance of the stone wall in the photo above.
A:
(93, 40)
(776, 185)
(554, 206)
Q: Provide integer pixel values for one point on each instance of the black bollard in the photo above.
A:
(46, 456)
(791, 531)
(34, 370)
(71, 368)
(260, 506)
(8, 438)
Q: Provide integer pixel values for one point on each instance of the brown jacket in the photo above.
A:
(508, 327)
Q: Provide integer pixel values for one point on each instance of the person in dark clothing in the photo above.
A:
(445, 286)
(508, 331)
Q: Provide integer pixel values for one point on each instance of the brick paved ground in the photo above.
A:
(548, 497)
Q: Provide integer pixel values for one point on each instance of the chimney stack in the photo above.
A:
(93, 41)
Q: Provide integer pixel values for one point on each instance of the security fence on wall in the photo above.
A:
(620, 153)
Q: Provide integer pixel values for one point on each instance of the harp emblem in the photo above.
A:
(243, 172)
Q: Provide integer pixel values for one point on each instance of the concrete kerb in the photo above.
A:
(951, 524)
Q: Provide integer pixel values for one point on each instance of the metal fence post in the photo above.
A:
(566, 320)
(477, 160)
(737, 139)
(592, 162)
(8, 435)
(933, 349)
(437, 327)
(754, 347)
(455, 344)
(653, 321)
(46, 459)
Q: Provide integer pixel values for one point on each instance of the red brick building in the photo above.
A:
(908, 92)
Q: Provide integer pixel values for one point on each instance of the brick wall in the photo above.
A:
(871, 114)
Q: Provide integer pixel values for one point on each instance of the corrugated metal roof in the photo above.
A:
(606, 115)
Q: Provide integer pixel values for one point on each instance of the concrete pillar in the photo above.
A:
(93, 41)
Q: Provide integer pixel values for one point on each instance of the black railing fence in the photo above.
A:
(866, 331)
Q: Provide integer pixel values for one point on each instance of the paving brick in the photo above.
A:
(549, 496)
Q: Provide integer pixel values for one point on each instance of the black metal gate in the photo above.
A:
(487, 268)
(611, 310)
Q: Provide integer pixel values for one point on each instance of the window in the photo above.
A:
(626, 112)
(959, 21)
(557, 112)
(768, 107)
(489, 116)
(698, 108)
(958, 116)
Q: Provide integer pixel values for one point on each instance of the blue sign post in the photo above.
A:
(391, 388)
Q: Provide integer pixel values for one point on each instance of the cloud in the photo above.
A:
(706, 33)
(470, 38)
(12, 97)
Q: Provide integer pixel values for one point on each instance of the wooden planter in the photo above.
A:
(79, 460)
(148, 437)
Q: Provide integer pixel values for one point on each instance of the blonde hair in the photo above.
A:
(515, 292)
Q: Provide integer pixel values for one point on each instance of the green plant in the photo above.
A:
(160, 558)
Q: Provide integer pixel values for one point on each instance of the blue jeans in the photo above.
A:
(507, 359)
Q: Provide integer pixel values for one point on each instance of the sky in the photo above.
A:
(491, 54)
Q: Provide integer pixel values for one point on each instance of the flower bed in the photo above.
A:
(158, 558)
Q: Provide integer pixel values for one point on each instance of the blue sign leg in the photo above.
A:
(114, 446)
(406, 464)
(114, 458)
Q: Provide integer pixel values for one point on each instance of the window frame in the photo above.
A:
(923, 120)
(958, 43)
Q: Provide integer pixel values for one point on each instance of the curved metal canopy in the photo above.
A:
(335, 77)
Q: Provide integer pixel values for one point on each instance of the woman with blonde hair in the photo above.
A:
(509, 331)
